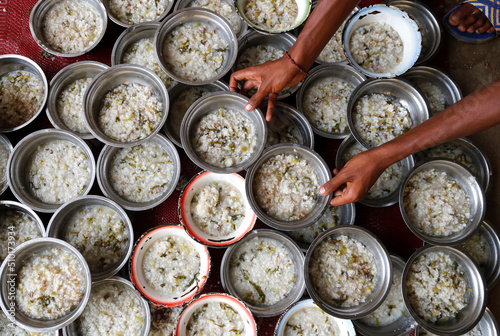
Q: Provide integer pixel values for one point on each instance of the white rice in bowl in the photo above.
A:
(8, 328)
(387, 183)
(453, 151)
(215, 318)
(69, 105)
(21, 95)
(262, 271)
(163, 320)
(286, 187)
(436, 204)
(436, 287)
(282, 130)
(50, 284)
(330, 219)
(325, 105)
(434, 95)
(218, 208)
(143, 53)
(271, 14)
(392, 308)
(333, 52)
(4, 157)
(376, 47)
(379, 118)
(222, 7)
(113, 309)
(311, 321)
(141, 173)
(99, 234)
(224, 138)
(474, 332)
(130, 112)
(478, 248)
(195, 51)
(71, 26)
(19, 225)
(136, 11)
(57, 171)
(343, 271)
(171, 265)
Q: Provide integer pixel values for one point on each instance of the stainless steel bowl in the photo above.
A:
(209, 103)
(13, 62)
(404, 325)
(477, 156)
(282, 41)
(471, 187)
(399, 89)
(345, 327)
(110, 79)
(315, 161)
(59, 221)
(5, 143)
(475, 297)
(116, 20)
(248, 321)
(72, 329)
(442, 81)
(197, 15)
(285, 114)
(406, 165)
(69, 74)
(181, 4)
(382, 281)
(133, 35)
(432, 33)
(490, 267)
(20, 156)
(36, 23)
(297, 258)
(343, 72)
(174, 93)
(22, 253)
(400, 21)
(105, 161)
(303, 10)
(346, 216)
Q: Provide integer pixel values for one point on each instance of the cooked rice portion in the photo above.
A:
(330, 218)
(343, 271)
(311, 321)
(224, 138)
(436, 287)
(271, 14)
(18, 225)
(136, 11)
(69, 105)
(8, 328)
(215, 318)
(282, 129)
(130, 112)
(434, 95)
(143, 53)
(262, 271)
(71, 26)
(474, 332)
(4, 157)
(436, 204)
(286, 187)
(325, 104)
(21, 95)
(479, 248)
(163, 320)
(376, 47)
(195, 51)
(333, 52)
(379, 118)
(453, 151)
(222, 7)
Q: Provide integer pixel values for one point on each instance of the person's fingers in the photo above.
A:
(257, 98)
(459, 15)
(271, 103)
(332, 185)
(247, 86)
(335, 172)
(233, 83)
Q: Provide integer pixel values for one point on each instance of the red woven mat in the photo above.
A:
(15, 38)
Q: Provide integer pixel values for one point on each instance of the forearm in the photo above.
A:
(323, 22)
(478, 111)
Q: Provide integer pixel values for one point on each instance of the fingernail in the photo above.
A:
(248, 108)
(322, 190)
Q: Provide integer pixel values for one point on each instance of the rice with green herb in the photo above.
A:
(69, 105)
(343, 271)
(195, 51)
(271, 14)
(4, 157)
(215, 318)
(330, 218)
(436, 204)
(479, 249)
(21, 226)
(311, 321)
(434, 95)
(136, 11)
(163, 320)
(99, 234)
(222, 7)
(262, 271)
(8, 328)
(474, 332)
(453, 151)
(333, 52)
(50, 284)
(21, 95)
(171, 265)
(436, 287)
(282, 129)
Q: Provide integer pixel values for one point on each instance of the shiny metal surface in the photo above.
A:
(11, 205)
(297, 257)
(59, 221)
(284, 113)
(323, 174)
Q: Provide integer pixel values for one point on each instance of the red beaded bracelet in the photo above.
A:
(295, 64)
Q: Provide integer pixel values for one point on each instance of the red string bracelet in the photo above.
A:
(295, 64)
